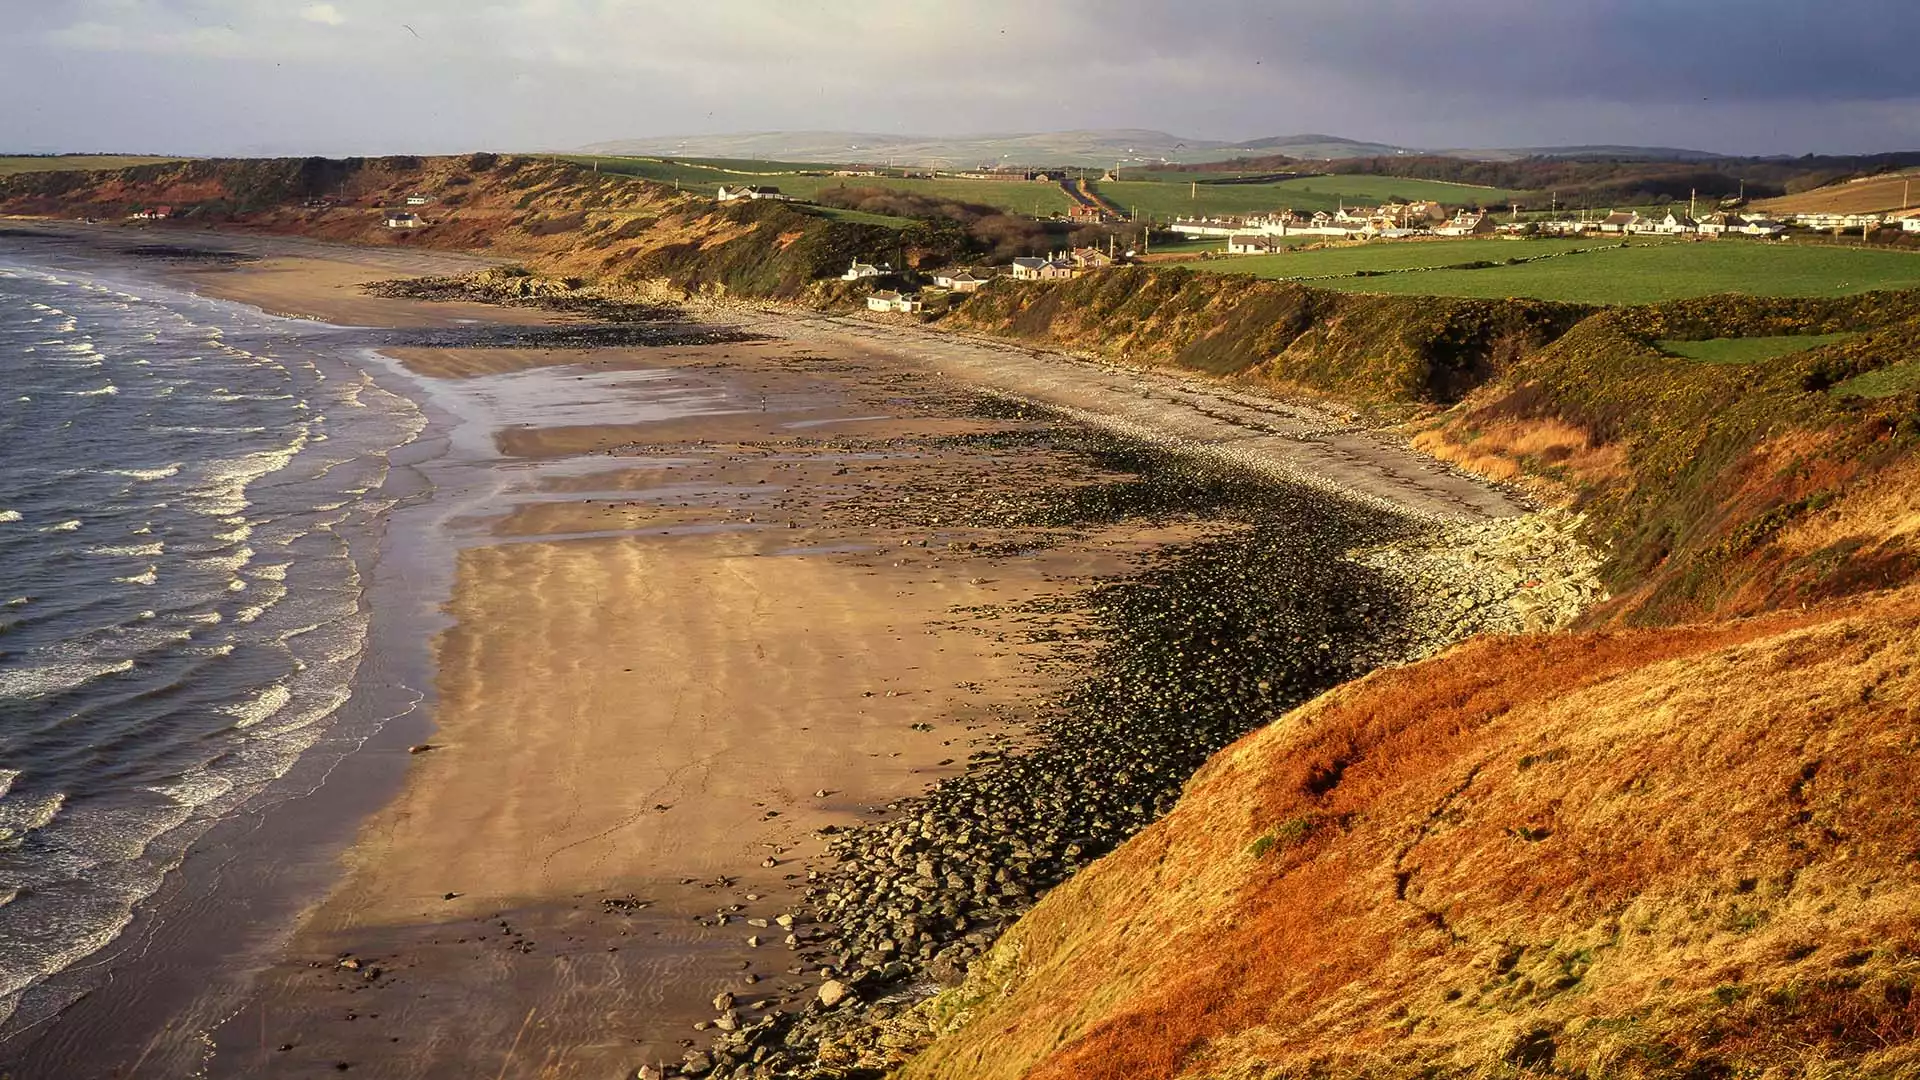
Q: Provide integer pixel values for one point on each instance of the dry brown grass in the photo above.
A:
(1685, 852)
(1870, 196)
(1549, 456)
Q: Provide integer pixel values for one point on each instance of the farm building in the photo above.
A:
(860, 271)
(401, 219)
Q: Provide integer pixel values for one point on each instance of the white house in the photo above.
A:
(1028, 269)
(418, 200)
(401, 219)
(1675, 223)
(903, 303)
(1466, 223)
(1909, 220)
(961, 281)
(753, 192)
(157, 213)
(860, 271)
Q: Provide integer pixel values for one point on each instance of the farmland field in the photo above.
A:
(10, 166)
(1308, 193)
(1032, 198)
(1642, 273)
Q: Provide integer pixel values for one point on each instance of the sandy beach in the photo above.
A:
(680, 611)
(695, 616)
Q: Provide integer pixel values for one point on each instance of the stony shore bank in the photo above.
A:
(1291, 591)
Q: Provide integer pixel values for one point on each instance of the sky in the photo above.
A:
(259, 77)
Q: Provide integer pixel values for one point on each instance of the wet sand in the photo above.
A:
(696, 614)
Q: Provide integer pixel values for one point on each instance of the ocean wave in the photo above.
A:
(106, 391)
(131, 550)
(271, 571)
(45, 679)
(230, 562)
(7, 777)
(9, 516)
(20, 601)
(65, 526)
(151, 575)
(195, 789)
(18, 817)
(160, 473)
(260, 707)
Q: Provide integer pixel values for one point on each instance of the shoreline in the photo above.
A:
(557, 522)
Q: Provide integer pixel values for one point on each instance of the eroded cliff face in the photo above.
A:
(1678, 852)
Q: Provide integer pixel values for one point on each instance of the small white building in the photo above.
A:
(860, 271)
(401, 219)
(753, 192)
(418, 200)
(962, 280)
(900, 303)
(155, 213)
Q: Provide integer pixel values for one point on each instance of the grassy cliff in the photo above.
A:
(1674, 853)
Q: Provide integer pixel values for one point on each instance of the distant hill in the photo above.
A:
(1864, 195)
(1100, 148)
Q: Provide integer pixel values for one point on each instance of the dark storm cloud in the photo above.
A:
(1614, 50)
(385, 75)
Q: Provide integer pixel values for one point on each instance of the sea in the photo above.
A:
(190, 496)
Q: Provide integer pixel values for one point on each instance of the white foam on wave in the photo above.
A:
(195, 789)
(65, 526)
(134, 551)
(225, 495)
(160, 473)
(44, 679)
(7, 777)
(151, 575)
(242, 530)
(9, 516)
(260, 707)
(230, 562)
(20, 601)
(106, 391)
(20, 816)
(271, 571)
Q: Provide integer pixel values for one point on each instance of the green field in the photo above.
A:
(1749, 350)
(1031, 198)
(1886, 382)
(1642, 273)
(10, 166)
(1180, 198)
(1382, 255)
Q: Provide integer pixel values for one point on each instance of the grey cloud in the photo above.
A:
(211, 76)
